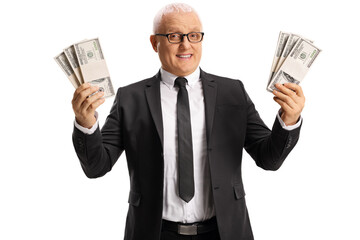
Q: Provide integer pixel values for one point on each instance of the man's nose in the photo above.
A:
(185, 44)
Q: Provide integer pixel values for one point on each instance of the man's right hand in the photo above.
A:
(84, 105)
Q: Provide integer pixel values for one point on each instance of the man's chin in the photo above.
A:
(185, 71)
(181, 70)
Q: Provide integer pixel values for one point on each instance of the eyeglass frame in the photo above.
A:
(182, 36)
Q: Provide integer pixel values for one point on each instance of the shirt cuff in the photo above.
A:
(290, 127)
(88, 130)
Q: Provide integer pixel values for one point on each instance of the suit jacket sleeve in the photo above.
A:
(99, 151)
(268, 148)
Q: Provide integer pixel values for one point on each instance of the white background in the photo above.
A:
(44, 193)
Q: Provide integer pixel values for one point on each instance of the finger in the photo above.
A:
(285, 98)
(287, 91)
(90, 100)
(294, 91)
(299, 99)
(83, 95)
(96, 104)
(296, 88)
(285, 107)
(81, 88)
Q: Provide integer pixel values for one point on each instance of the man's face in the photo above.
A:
(182, 58)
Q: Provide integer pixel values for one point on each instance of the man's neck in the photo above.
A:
(169, 78)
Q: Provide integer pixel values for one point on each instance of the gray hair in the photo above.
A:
(170, 8)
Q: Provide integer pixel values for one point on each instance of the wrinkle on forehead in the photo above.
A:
(180, 22)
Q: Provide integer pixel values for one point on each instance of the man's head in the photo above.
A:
(182, 58)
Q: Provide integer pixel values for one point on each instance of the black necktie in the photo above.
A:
(185, 151)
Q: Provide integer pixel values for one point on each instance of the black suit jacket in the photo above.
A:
(135, 125)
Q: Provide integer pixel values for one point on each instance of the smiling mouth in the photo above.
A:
(184, 56)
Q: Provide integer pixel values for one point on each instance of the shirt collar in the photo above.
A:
(169, 78)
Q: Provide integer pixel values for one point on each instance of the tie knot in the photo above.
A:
(180, 82)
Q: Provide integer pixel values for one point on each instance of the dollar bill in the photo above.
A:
(296, 65)
(65, 66)
(93, 66)
(283, 37)
(71, 56)
(290, 43)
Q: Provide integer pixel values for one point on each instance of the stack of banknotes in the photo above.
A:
(293, 58)
(84, 62)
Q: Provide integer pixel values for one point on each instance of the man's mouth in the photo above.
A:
(184, 56)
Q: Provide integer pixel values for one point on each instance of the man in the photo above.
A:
(183, 132)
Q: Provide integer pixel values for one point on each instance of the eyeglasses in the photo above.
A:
(193, 37)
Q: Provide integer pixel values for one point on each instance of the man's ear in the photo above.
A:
(154, 42)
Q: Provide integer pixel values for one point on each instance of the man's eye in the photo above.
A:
(194, 36)
(173, 36)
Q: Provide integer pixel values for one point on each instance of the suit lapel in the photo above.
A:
(152, 93)
(210, 92)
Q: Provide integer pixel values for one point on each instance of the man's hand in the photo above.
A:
(85, 103)
(292, 101)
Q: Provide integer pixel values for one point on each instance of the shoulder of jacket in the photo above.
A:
(139, 85)
(222, 80)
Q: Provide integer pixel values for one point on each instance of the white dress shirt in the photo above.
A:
(201, 206)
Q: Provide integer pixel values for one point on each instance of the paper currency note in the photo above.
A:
(71, 56)
(290, 43)
(296, 65)
(93, 66)
(283, 37)
(65, 66)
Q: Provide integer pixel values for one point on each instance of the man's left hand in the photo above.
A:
(292, 100)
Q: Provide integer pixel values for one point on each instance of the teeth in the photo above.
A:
(184, 56)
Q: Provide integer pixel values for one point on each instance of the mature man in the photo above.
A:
(183, 131)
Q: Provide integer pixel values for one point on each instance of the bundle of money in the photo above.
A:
(293, 58)
(84, 62)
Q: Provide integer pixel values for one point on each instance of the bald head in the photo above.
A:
(171, 9)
